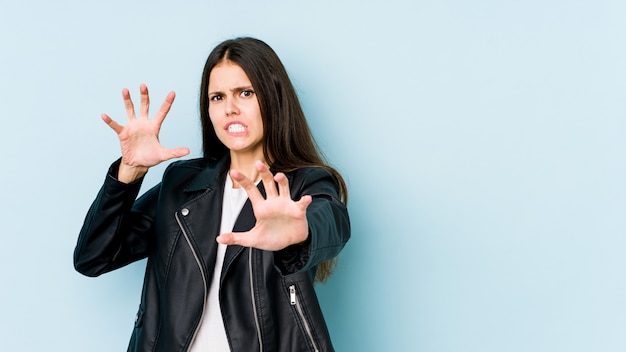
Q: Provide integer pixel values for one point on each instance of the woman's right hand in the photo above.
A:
(139, 139)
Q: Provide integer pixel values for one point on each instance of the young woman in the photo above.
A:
(235, 239)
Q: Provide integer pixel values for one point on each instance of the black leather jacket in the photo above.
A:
(267, 298)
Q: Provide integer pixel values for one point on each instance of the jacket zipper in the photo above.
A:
(195, 255)
(256, 318)
(295, 302)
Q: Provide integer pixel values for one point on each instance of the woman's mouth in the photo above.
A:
(236, 128)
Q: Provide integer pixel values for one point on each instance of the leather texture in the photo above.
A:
(267, 298)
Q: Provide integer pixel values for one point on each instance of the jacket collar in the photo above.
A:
(207, 176)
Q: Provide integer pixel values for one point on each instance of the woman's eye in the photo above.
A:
(247, 93)
(216, 97)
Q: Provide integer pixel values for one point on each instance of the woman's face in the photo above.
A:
(234, 110)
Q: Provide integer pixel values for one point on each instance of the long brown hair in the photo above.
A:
(288, 142)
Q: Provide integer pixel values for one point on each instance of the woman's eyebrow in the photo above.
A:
(236, 89)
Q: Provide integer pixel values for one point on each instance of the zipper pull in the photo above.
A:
(292, 294)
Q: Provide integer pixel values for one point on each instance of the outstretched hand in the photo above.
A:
(139, 139)
(280, 221)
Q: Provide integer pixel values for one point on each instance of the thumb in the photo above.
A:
(176, 153)
(230, 238)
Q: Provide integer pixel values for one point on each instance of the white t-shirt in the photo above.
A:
(211, 334)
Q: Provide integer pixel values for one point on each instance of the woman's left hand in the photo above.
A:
(280, 221)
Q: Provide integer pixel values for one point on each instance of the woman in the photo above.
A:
(235, 239)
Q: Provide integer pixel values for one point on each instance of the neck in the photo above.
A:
(244, 163)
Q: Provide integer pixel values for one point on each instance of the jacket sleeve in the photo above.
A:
(327, 217)
(117, 229)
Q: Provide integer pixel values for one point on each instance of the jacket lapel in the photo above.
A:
(205, 214)
(202, 214)
(245, 222)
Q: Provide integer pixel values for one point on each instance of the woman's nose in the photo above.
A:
(231, 107)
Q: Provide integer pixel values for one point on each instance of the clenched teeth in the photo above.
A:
(236, 128)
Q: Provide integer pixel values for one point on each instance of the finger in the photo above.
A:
(253, 192)
(283, 185)
(305, 201)
(145, 101)
(175, 153)
(165, 107)
(114, 125)
(128, 104)
(267, 178)
(234, 238)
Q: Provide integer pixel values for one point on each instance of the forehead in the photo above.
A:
(227, 75)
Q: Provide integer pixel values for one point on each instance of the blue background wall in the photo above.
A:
(483, 143)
